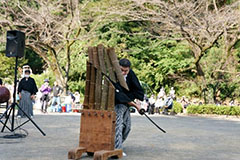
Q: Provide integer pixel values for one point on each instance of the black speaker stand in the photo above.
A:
(11, 109)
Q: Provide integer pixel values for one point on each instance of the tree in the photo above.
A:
(202, 24)
(155, 61)
(52, 27)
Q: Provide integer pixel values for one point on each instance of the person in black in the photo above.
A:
(1, 82)
(27, 90)
(123, 99)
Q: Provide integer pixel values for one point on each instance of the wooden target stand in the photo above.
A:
(97, 130)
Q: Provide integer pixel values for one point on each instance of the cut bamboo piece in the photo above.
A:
(101, 58)
(90, 54)
(98, 89)
(111, 97)
(92, 88)
(117, 69)
(87, 87)
(95, 57)
(109, 66)
(104, 98)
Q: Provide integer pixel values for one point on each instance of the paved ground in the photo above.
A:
(187, 138)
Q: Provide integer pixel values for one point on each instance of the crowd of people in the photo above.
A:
(161, 103)
(52, 99)
(46, 98)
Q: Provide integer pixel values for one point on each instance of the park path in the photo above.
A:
(187, 138)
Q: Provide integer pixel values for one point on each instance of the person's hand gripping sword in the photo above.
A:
(142, 112)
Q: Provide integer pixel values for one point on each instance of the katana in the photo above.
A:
(154, 123)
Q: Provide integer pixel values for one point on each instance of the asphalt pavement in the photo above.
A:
(187, 138)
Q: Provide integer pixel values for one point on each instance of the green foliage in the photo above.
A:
(8, 66)
(35, 61)
(39, 78)
(187, 88)
(177, 107)
(156, 62)
(213, 109)
(77, 72)
(218, 83)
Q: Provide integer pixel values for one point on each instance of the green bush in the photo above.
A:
(213, 109)
(177, 107)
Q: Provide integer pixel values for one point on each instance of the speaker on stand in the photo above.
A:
(15, 48)
(15, 44)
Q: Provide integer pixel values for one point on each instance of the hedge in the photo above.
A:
(177, 107)
(213, 109)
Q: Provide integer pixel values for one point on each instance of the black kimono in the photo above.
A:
(122, 97)
(26, 87)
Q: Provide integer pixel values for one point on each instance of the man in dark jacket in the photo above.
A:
(27, 90)
(123, 99)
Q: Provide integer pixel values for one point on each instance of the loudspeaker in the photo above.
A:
(15, 44)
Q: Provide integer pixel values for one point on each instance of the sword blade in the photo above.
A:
(155, 123)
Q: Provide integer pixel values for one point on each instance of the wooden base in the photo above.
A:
(104, 155)
(98, 155)
(76, 153)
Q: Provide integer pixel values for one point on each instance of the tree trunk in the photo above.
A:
(53, 64)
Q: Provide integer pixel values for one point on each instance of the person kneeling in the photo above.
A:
(168, 105)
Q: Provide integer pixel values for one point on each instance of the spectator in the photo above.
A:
(185, 103)
(145, 104)
(161, 94)
(151, 105)
(45, 90)
(172, 93)
(24, 68)
(27, 90)
(77, 96)
(158, 105)
(57, 91)
(69, 101)
(231, 103)
(1, 82)
(168, 101)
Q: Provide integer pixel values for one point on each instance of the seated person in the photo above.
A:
(168, 104)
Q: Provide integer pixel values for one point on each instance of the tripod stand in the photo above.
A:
(11, 109)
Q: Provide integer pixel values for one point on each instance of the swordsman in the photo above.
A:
(123, 100)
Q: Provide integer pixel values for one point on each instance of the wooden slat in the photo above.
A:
(95, 57)
(104, 98)
(109, 66)
(117, 69)
(98, 77)
(98, 89)
(90, 54)
(92, 88)
(87, 87)
(111, 97)
(101, 58)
